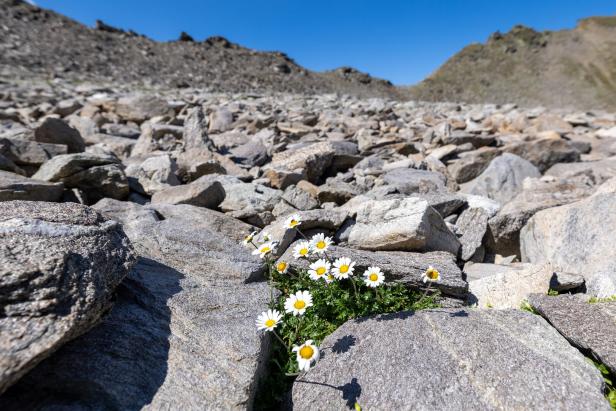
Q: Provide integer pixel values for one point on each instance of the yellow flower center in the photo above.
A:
(281, 266)
(432, 274)
(320, 270)
(303, 251)
(306, 352)
(373, 277)
(265, 250)
(293, 223)
(270, 323)
(321, 245)
(344, 268)
(299, 304)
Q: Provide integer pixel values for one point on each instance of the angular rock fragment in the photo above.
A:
(503, 178)
(55, 131)
(202, 193)
(408, 224)
(59, 265)
(97, 175)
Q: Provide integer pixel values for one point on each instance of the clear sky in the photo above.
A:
(402, 41)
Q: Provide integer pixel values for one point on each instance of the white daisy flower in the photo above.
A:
(298, 302)
(293, 221)
(319, 269)
(343, 268)
(373, 277)
(248, 239)
(329, 278)
(319, 243)
(268, 320)
(431, 275)
(307, 353)
(302, 249)
(265, 248)
(282, 267)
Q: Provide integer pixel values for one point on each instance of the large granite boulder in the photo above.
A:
(181, 334)
(587, 325)
(577, 238)
(409, 180)
(449, 359)
(407, 224)
(59, 267)
(203, 193)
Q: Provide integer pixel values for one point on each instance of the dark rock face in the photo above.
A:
(56, 131)
(16, 187)
(60, 264)
(390, 361)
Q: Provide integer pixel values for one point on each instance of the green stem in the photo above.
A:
(280, 339)
(354, 289)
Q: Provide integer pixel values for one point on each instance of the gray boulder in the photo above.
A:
(472, 226)
(545, 152)
(202, 193)
(503, 178)
(56, 131)
(98, 175)
(409, 181)
(182, 327)
(154, 174)
(589, 326)
(59, 265)
(449, 359)
(408, 224)
(472, 163)
(141, 107)
(158, 137)
(26, 153)
(400, 267)
(17, 187)
(536, 195)
(577, 238)
(195, 130)
(505, 286)
(599, 171)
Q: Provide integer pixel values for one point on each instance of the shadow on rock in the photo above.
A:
(351, 391)
(120, 363)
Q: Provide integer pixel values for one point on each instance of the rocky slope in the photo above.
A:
(35, 41)
(160, 188)
(567, 68)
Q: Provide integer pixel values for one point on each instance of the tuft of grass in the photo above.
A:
(609, 379)
(525, 306)
(334, 304)
(610, 299)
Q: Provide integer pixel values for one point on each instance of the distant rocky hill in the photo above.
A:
(568, 68)
(40, 42)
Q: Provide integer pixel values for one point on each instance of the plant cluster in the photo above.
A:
(313, 302)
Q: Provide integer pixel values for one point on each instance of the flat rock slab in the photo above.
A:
(16, 187)
(59, 265)
(402, 267)
(450, 359)
(589, 326)
(181, 335)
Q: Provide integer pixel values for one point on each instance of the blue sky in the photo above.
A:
(403, 41)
